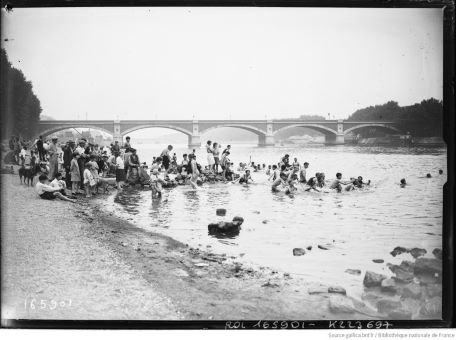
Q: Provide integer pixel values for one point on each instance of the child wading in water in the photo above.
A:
(194, 172)
(156, 184)
(89, 181)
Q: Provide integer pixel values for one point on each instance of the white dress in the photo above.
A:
(210, 156)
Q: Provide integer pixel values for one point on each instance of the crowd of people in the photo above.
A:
(82, 168)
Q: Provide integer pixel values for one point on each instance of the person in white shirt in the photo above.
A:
(59, 183)
(48, 192)
(120, 171)
(89, 181)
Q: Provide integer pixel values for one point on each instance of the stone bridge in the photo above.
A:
(334, 130)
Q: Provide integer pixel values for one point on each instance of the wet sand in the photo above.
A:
(110, 269)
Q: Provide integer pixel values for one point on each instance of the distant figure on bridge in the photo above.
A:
(127, 144)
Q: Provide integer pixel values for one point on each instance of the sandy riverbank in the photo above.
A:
(111, 269)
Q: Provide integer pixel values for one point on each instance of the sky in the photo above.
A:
(222, 63)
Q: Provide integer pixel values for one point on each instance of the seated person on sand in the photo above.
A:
(59, 183)
(246, 178)
(45, 191)
(337, 183)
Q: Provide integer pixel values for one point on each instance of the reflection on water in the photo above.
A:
(359, 225)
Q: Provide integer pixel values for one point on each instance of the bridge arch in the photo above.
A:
(147, 126)
(249, 128)
(385, 126)
(50, 131)
(317, 127)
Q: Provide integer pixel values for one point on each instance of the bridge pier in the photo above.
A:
(338, 139)
(265, 140)
(117, 136)
(194, 141)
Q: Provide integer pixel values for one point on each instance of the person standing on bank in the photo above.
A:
(40, 147)
(53, 159)
(127, 144)
(120, 171)
(210, 155)
(216, 153)
(67, 157)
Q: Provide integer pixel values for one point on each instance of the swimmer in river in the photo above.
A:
(337, 183)
(440, 172)
(321, 179)
(274, 174)
(428, 176)
(303, 173)
(356, 183)
(283, 176)
(403, 183)
(296, 163)
(312, 183)
(245, 178)
(156, 184)
(291, 183)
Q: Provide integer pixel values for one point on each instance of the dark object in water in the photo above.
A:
(378, 260)
(417, 252)
(428, 175)
(239, 219)
(440, 172)
(398, 251)
(372, 279)
(437, 253)
(220, 212)
(298, 252)
(226, 229)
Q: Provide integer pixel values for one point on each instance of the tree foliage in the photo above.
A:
(421, 119)
(20, 107)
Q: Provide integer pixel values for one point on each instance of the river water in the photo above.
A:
(360, 225)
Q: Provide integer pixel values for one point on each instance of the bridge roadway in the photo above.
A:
(266, 130)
